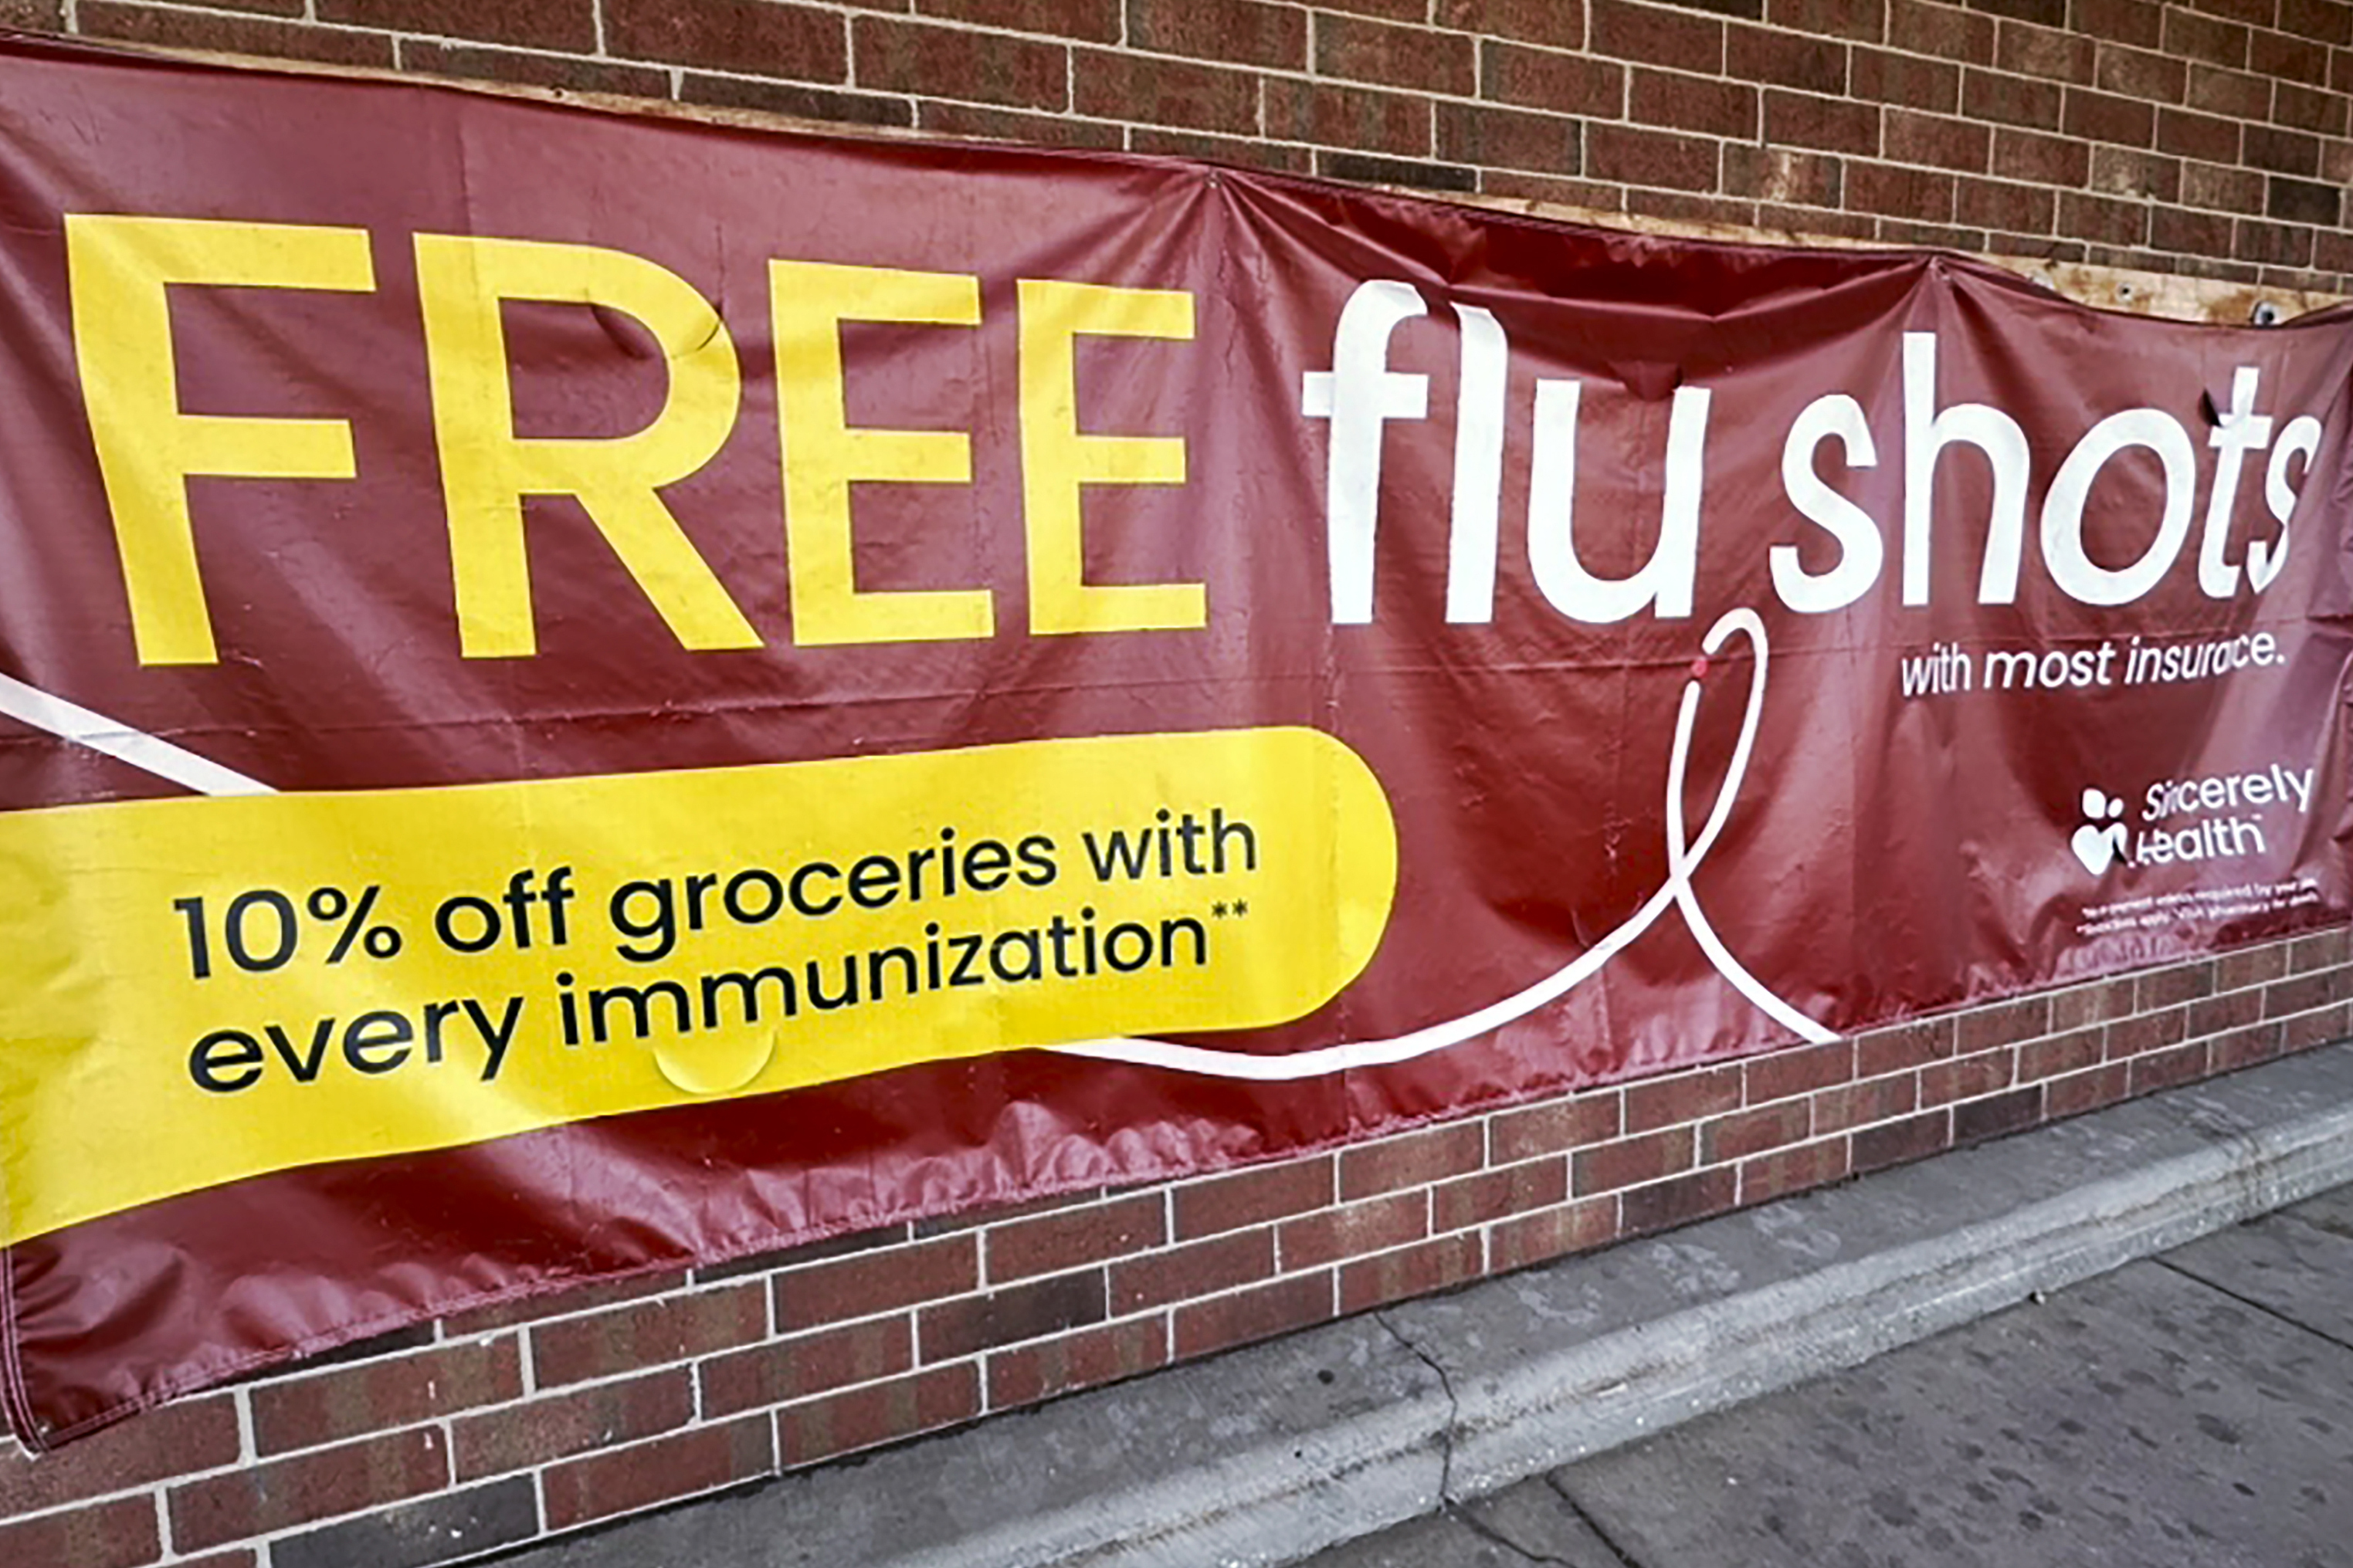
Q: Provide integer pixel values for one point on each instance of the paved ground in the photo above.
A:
(2192, 1409)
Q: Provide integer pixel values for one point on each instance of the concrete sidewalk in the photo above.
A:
(1272, 1453)
(2195, 1408)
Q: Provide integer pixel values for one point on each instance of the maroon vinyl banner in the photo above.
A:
(579, 693)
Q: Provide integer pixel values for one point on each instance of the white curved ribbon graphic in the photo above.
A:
(156, 756)
(1682, 861)
(149, 754)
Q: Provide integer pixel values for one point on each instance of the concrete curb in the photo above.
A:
(1472, 1393)
(1617, 1389)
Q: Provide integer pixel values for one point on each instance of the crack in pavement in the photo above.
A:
(2325, 1224)
(2249, 1302)
(1560, 1489)
(1447, 1502)
(1453, 1406)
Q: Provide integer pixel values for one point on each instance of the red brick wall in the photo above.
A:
(2210, 140)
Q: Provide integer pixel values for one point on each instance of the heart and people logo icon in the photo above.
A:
(2102, 838)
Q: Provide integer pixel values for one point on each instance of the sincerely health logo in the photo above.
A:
(2220, 817)
(2101, 838)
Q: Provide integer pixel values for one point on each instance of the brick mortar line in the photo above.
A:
(526, 1364)
(689, 1287)
(1168, 1319)
(96, 1501)
(182, 7)
(983, 1276)
(248, 1445)
(977, 1359)
(1202, 1178)
(540, 1530)
(557, 1391)
(1111, 1319)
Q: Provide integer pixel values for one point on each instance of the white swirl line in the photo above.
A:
(154, 754)
(1682, 862)
(148, 754)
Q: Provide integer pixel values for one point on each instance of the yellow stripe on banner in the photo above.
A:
(196, 991)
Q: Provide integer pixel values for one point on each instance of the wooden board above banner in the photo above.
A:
(2135, 291)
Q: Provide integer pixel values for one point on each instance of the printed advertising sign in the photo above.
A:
(579, 693)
